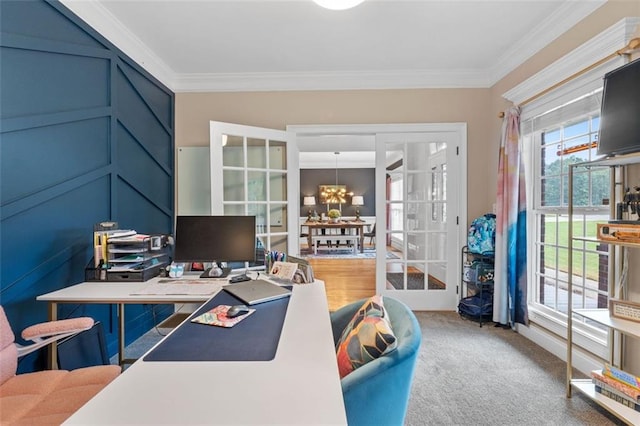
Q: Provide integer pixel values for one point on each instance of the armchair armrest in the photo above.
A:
(48, 332)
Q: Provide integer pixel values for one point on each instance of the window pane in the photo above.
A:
(416, 246)
(278, 186)
(278, 214)
(256, 153)
(396, 210)
(551, 162)
(581, 188)
(551, 136)
(600, 187)
(551, 192)
(277, 155)
(549, 229)
(233, 185)
(232, 152)
(437, 276)
(234, 209)
(578, 148)
(256, 186)
(260, 212)
(575, 129)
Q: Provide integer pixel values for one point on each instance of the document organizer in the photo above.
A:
(133, 258)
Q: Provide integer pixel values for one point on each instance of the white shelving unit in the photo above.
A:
(600, 316)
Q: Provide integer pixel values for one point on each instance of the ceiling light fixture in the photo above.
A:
(336, 194)
(338, 4)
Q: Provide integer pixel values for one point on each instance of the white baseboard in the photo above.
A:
(557, 346)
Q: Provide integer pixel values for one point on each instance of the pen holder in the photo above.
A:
(268, 264)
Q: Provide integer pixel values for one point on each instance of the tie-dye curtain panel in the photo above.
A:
(510, 292)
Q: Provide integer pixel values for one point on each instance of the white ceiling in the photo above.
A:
(257, 45)
(239, 45)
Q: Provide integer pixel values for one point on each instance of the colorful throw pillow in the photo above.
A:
(367, 336)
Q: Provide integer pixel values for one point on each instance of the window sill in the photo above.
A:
(591, 340)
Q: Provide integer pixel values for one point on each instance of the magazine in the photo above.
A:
(304, 274)
(218, 317)
(284, 270)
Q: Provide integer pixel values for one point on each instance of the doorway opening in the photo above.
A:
(409, 248)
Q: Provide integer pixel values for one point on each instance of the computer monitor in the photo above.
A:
(215, 239)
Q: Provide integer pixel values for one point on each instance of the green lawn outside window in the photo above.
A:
(592, 259)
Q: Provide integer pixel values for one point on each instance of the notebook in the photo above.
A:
(257, 291)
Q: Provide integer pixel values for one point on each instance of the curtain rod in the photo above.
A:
(630, 47)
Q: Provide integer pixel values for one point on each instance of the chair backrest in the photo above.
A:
(8, 350)
(378, 392)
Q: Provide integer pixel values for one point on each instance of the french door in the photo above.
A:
(254, 171)
(419, 199)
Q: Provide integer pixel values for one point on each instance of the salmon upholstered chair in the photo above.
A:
(45, 397)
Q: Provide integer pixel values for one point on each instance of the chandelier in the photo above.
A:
(335, 194)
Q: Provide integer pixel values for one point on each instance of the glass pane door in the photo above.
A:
(420, 260)
(249, 176)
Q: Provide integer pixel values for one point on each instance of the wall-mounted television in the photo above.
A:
(620, 112)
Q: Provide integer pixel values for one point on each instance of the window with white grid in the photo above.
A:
(564, 136)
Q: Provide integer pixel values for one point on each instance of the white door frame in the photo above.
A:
(459, 131)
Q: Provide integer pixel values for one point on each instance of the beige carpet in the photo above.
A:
(467, 375)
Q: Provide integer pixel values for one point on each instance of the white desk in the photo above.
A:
(118, 293)
(300, 386)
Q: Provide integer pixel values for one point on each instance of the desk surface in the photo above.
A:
(121, 292)
(300, 386)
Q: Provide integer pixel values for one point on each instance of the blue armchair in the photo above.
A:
(378, 392)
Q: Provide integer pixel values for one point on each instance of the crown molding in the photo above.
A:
(565, 17)
(610, 40)
(102, 20)
(351, 80)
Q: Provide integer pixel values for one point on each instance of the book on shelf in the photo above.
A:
(617, 397)
(614, 385)
(621, 376)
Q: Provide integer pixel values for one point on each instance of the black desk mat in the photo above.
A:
(253, 339)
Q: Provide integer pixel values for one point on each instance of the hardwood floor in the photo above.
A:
(346, 280)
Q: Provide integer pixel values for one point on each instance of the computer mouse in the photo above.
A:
(237, 310)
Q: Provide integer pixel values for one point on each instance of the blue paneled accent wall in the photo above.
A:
(86, 136)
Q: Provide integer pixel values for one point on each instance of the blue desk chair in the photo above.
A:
(377, 393)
